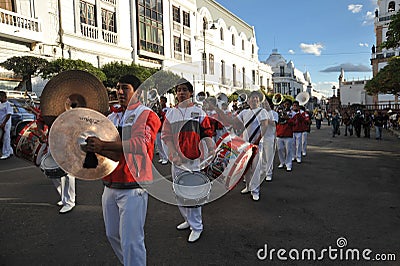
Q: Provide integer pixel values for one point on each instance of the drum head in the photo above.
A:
(192, 186)
(48, 162)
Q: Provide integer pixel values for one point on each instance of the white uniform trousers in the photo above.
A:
(285, 151)
(192, 215)
(304, 142)
(252, 175)
(267, 165)
(65, 186)
(161, 148)
(124, 213)
(7, 149)
(297, 145)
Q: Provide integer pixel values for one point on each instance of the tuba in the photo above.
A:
(303, 98)
(222, 98)
(152, 99)
(201, 96)
(242, 99)
(277, 99)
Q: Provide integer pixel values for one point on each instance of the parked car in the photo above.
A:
(21, 116)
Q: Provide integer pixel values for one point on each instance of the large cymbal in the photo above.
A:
(69, 89)
(70, 130)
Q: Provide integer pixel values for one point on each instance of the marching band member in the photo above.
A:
(184, 128)
(5, 125)
(284, 136)
(161, 114)
(253, 123)
(298, 128)
(124, 201)
(306, 130)
(269, 141)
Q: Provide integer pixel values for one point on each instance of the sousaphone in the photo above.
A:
(70, 89)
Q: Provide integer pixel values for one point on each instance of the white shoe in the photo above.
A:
(164, 162)
(244, 191)
(304, 154)
(298, 161)
(183, 226)
(288, 169)
(194, 236)
(4, 157)
(60, 203)
(280, 166)
(268, 178)
(66, 208)
(256, 197)
(160, 160)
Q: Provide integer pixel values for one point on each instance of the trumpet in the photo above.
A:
(277, 99)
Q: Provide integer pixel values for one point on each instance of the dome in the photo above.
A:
(275, 58)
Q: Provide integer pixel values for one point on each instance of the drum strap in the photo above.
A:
(249, 122)
(254, 134)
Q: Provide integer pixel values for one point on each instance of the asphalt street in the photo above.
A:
(343, 200)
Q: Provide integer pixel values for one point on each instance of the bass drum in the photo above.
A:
(31, 143)
(232, 156)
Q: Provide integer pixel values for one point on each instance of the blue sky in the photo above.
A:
(320, 36)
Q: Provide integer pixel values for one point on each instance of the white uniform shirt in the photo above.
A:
(246, 115)
(5, 109)
(270, 133)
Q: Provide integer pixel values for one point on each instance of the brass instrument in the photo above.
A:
(277, 99)
(303, 98)
(201, 96)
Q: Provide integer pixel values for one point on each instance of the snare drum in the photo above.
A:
(31, 143)
(191, 189)
(51, 168)
(230, 161)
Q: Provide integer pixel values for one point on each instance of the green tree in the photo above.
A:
(25, 67)
(393, 33)
(387, 80)
(57, 66)
(115, 70)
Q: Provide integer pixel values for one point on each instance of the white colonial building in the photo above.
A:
(197, 39)
(379, 58)
(286, 78)
(353, 92)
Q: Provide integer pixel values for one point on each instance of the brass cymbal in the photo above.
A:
(70, 130)
(70, 89)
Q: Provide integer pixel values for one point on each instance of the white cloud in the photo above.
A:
(348, 67)
(325, 87)
(355, 8)
(291, 51)
(363, 44)
(369, 18)
(312, 48)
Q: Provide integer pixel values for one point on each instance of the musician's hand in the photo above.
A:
(175, 158)
(94, 144)
(267, 106)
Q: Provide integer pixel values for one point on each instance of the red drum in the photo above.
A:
(230, 161)
(31, 143)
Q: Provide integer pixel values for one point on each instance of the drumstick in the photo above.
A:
(205, 161)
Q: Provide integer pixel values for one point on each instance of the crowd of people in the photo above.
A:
(358, 122)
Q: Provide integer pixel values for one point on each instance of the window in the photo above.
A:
(151, 30)
(282, 71)
(233, 39)
(186, 19)
(252, 49)
(108, 20)
(204, 56)
(221, 34)
(211, 63)
(244, 77)
(87, 13)
(253, 76)
(7, 5)
(177, 44)
(223, 71)
(242, 44)
(392, 6)
(234, 74)
(176, 14)
(186, 47)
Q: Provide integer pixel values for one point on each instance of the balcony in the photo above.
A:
(110, 37)
(113, 2)
(89, 31)
(19, 27)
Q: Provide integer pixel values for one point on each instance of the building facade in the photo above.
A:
(353, 92)
(286, 78)
(197, 39)
(379, 58)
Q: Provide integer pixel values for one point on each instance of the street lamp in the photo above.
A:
(334, 88)
(205, 27)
